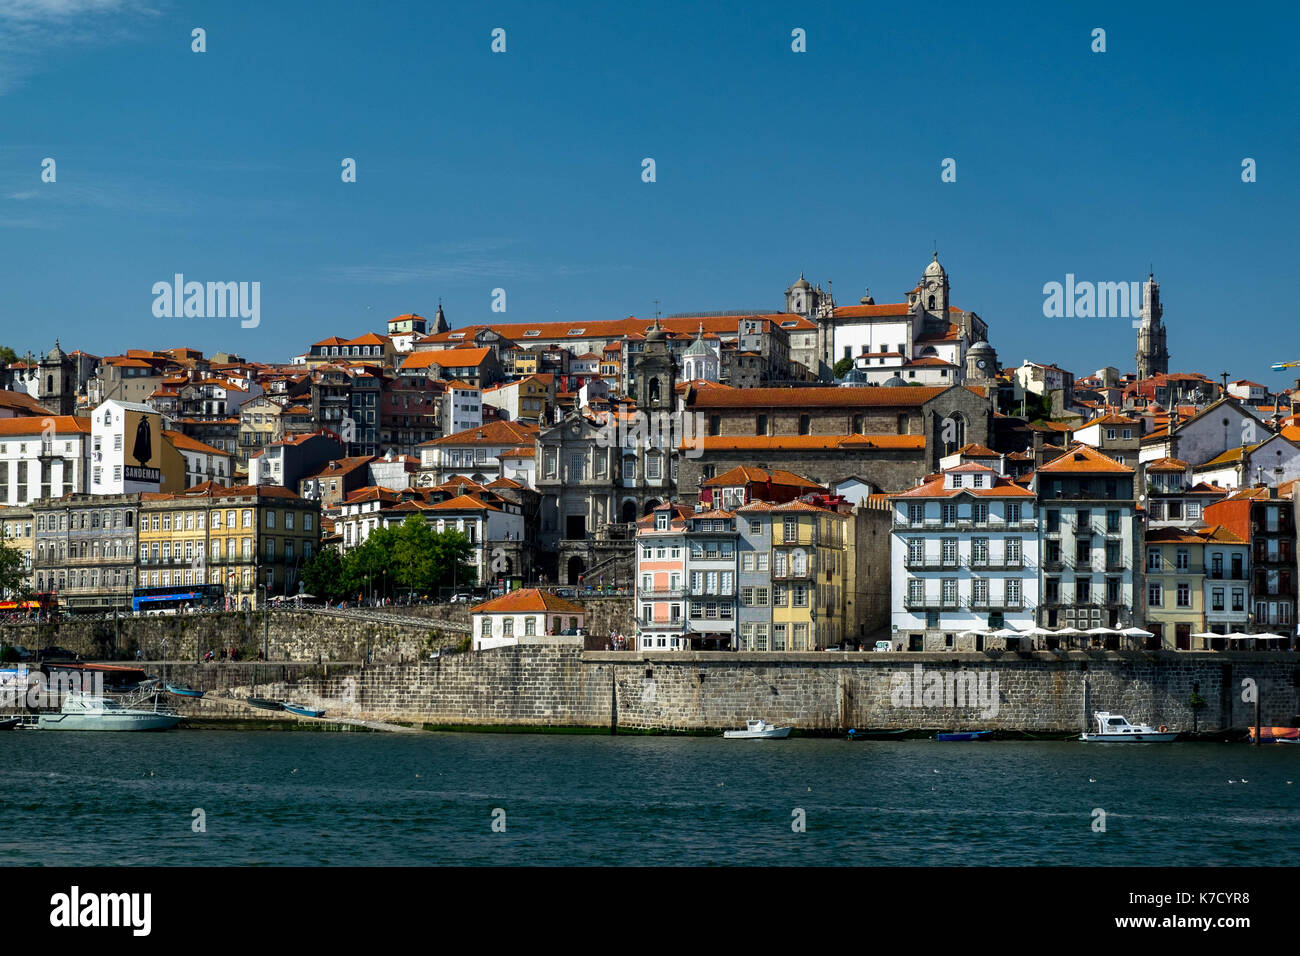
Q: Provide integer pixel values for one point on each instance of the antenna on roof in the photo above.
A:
(656, 309)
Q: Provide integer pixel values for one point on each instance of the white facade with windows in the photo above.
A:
(964, 556)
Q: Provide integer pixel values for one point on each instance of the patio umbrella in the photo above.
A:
(1008, 632)
(1132, 631)
(1268, 637)
(1101, 630)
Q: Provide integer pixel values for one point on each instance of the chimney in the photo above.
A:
(1038, 449)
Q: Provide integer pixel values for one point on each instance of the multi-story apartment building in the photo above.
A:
(1227, 584)
(710, 552)
(1258, 515)
(256, 540)
(806, 546)
(661, 578)
(1090, 539)
(1174, 570)
(86, 550)
(17, 526)
(1172, 500)
(474, 453)
(460, 407)
(965, 559)
(42, 457)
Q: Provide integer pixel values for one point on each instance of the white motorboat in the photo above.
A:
(1115, 729)
(758, 730)
(90, 712)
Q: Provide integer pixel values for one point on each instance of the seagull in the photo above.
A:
(936, 771)
(295, 770)
(1091, 780)
(1244, 780)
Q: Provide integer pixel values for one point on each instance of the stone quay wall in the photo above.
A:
(554, 683)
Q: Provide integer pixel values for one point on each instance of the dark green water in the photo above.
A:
(394, 800)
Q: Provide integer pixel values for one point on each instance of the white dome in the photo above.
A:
(934, 269)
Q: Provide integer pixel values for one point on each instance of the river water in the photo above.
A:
(378, 799)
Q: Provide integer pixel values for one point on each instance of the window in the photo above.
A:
(949, 592)
(805, 425)
(980, 511)
(1153, 559)
(1184, 595)
(1012, 592)
(949, 513)
(1216, 599)
(1155, 595)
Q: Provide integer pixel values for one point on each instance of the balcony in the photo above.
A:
(1227, 574)
(662, 593)
(704, 591)
(996, 564)
(999, 604)
(794, 574)
(1057, 564)
(931, 564)
(930, 603)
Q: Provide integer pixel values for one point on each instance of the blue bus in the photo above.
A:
(174, 600)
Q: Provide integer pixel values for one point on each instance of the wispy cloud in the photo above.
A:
(453, 262)
(32, 30)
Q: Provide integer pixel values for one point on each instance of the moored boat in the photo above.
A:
(1115, 729)
(91, 712)
(302, 710)
(875, 734)
(963, 735)
(758, 730)
(1276, 734)
(183, 690)
(9, 723)
(263, 703)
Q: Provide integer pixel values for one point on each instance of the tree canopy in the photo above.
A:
(409, 559)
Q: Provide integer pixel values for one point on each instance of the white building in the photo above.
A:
(525, 615)
(1273, 461)
(475, 453)
(964, 557)
(461, 407)
(42, 457)
(129, 452)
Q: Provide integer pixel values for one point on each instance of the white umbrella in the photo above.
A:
(1037, 631)
(1268, 637)
(1138, 632)
(978, 632)
(1067, 632)
(1008, 632)
(1101, 630)
(1238, 636)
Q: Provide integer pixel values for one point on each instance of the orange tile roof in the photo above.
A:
(491, 433)
(528, 600)
(1176, 465)
(804, 442)
(185, 442)
(447, 358)
(34, 424)
(464, 503)
(933, 487)
(744, 474)
(1083, 459)
(615, 328)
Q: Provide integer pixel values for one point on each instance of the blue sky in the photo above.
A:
(522, 170)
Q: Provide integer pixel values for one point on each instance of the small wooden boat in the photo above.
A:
(876, 734)
(302, 710)
(183, 690)
(1115, 729)
(758, 730)
(263, 703)
(964, 735)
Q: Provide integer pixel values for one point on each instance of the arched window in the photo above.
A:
(653, 390)
(857, 425)
(902, 424)
(932, 302)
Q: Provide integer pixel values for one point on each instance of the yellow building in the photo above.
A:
(251, 540)
(16, 526)
(807, 562)
(1175, 586)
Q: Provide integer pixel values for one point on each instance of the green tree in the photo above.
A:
(414, 555)
(11, 571)
(843, 367)
(323, 575)
(370, 567)
(7, 355)
(451, 551)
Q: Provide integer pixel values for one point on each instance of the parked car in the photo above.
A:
(56, 654)
(460, 599)
(884, 646)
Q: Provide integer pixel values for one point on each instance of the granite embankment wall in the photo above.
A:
(378, 635)
(558, 684)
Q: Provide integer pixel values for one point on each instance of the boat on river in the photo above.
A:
(183, 690)
(1115, 729)
(876, 734)
(264, 703)
(1278, 735)
(758, 730)
(302, 710)
(95, 712)
(963, 735)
